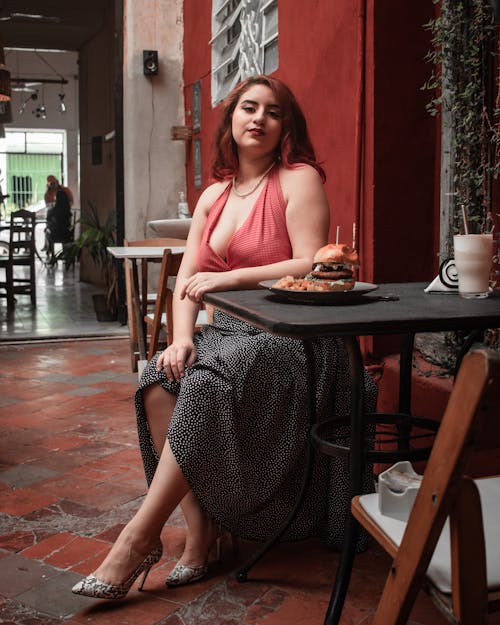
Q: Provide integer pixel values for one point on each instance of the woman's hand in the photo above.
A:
(203, 282)
(175, 359)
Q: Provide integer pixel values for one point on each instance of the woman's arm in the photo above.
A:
(307, 212)
(307, 219)
(185, 310)
(181, 352)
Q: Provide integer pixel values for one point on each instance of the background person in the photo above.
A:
(3, 197)
(59, 201)
(222, 414)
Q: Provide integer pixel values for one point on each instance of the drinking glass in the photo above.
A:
(473, 260)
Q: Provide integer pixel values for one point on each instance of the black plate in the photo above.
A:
(334, 298)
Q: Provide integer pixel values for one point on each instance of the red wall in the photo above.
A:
(322, 79)
(197, 64)
(320, 60)
(404, 146)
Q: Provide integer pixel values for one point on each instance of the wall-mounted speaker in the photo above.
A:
(150, 62)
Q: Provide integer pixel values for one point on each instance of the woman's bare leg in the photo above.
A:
(159, 406)
(200, 535)
(142, 533)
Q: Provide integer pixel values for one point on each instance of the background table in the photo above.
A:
(413, 311)
(142, 254)
(177, 228)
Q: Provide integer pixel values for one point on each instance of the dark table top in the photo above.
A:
(414, 311)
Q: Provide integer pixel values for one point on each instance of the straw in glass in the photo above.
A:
(464, 217)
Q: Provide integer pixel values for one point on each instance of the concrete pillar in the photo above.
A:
(154, 165)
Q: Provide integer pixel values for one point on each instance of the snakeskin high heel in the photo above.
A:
(182, 574)
(90, 586)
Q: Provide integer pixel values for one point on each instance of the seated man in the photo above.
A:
(59, 216)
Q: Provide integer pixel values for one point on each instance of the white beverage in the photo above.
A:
(473, 260)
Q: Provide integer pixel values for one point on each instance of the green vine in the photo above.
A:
(462, 54)
(464, 43)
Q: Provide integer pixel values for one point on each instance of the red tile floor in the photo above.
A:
(71, 476)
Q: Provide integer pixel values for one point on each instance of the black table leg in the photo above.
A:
(356, 470)
(405, 371)
(241, 574)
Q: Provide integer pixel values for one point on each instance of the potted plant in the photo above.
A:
(96, 236)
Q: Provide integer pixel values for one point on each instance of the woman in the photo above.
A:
(222, 415)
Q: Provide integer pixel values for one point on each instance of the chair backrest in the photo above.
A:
(22, 234)
(157, 242)
(132, 323)
(471, 422)
(170, 265)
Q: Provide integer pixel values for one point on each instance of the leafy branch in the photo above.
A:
(462, 56)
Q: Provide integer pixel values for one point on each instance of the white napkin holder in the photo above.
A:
(397, 489)
(447, 279)
(436, 286)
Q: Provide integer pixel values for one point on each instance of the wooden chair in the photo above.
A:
(22, 253)
(462, 586)
(147, 297)
(161, 317)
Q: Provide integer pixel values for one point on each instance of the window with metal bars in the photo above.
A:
(244, 42)
(27, 157)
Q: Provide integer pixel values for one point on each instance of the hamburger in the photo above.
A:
(332, 270)
(334, 264)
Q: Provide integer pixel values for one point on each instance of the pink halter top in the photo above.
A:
(262, 239)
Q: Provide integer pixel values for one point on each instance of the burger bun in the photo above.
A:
(337, 253)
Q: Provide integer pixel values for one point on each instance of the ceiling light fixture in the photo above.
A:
(30, 84)
(32, 96)
(41, 111)
(62, 105)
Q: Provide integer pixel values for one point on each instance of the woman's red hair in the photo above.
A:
(295, 145)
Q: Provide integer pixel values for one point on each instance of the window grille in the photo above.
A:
(244, 42)
(26, 159)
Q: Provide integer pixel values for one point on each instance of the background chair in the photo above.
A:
(161, 317)
(464, 586)
(21, 254)
(147, 297)
(51, 239)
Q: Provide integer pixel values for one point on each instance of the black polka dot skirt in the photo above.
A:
(239, 431)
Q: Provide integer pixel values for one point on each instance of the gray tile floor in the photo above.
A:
(64, 310)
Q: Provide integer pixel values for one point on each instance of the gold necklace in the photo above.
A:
(243, 195)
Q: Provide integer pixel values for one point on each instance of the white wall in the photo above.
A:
(154, 164)
(24, 64)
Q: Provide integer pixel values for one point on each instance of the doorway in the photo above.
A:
(91, 31)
